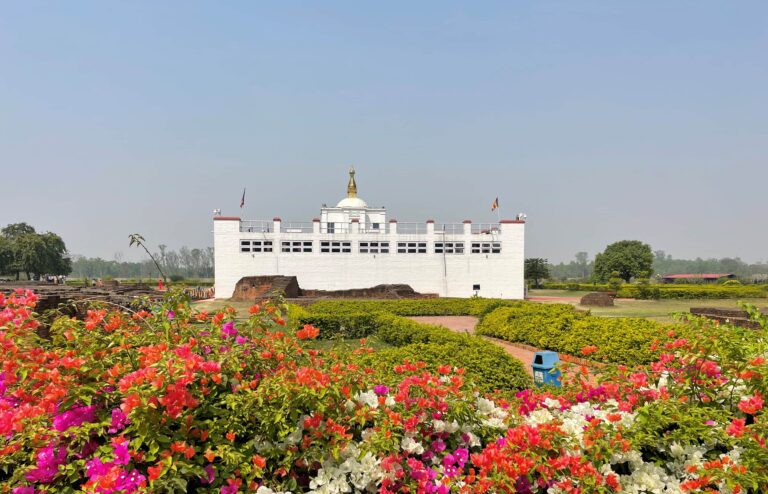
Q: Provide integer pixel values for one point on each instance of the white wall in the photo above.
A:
(449, 275)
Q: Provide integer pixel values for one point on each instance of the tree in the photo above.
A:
(25, 251)
(138, 241)
(16, 230)
(629, 258)
(581, 261)
(536, 269)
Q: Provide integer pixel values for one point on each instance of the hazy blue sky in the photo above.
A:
(601, 120)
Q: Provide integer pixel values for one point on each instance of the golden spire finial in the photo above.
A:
(352, 186)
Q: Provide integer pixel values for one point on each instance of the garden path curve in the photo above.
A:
(467, 324)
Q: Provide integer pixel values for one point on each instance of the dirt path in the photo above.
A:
(467, 324)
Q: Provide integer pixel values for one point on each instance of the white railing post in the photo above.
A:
(354, 227)
(467, 227)
(393, 227)
(316, 225)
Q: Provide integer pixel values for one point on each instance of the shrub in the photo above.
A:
(172, 400)
(560, 327)
(488, 366)
(414, 307)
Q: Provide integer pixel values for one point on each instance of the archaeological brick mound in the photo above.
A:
(597, 299)
(252, 288)
(395, 291)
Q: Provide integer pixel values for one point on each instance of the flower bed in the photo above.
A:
(174, 400)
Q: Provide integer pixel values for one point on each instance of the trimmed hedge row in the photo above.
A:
(487, 365)
(561, 328)
(692, 291)
(669, 291)
(415, 307)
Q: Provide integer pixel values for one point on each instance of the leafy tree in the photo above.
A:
(6, 255)
(536, 269)
(23, 250)
(16, 230)
(629, 258)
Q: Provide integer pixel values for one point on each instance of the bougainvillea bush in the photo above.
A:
(176, 400)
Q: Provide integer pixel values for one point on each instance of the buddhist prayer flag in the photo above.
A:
(495, 205)
(242, 201)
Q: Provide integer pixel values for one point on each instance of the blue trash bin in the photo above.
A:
(543, 365)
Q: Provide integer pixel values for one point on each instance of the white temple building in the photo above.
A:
(353, 245)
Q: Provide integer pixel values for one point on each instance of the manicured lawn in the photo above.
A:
(659, 310)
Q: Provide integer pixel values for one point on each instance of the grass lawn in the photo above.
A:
(211, 306)
(659, 310)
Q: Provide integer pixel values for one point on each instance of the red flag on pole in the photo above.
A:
(242, 201)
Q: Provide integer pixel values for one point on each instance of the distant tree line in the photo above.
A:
(184, 263)
(582, 269)
(24, 251)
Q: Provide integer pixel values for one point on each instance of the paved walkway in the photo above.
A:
(467, 324)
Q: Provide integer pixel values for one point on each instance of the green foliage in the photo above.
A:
(489, 368)
(487, 365)
(22, 250)
(414, 307)
(562, 328)
(668, 292)
(536, 269)
(629, 258)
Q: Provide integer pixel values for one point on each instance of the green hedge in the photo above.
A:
(578, 287)
(668, 291)
(671, 291)
(487, 365)
(561, 328)
(415, 307)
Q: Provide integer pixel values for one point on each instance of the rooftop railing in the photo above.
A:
(404, 228)
(256, 226)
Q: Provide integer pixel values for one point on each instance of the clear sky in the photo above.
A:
(601, 121)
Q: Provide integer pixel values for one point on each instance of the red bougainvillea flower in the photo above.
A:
(752, 404)
(588, 350)
(308, 332)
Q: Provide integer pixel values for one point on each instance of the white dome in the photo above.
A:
(352, 203)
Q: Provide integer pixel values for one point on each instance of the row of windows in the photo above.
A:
(328, 246)
(257, 246)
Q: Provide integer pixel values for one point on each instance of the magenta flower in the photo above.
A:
(240, 340)
(24, 490)
(229, 489)
(74, 417)
(438, 446)
(228, 330)
(171, 314)
(120, 450)
(119, 421)
(210, 475)
(380, 389)
(48, 461)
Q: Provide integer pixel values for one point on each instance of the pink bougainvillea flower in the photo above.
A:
(380, 390)
(74, 417)
(119, 421)
(228, 329)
